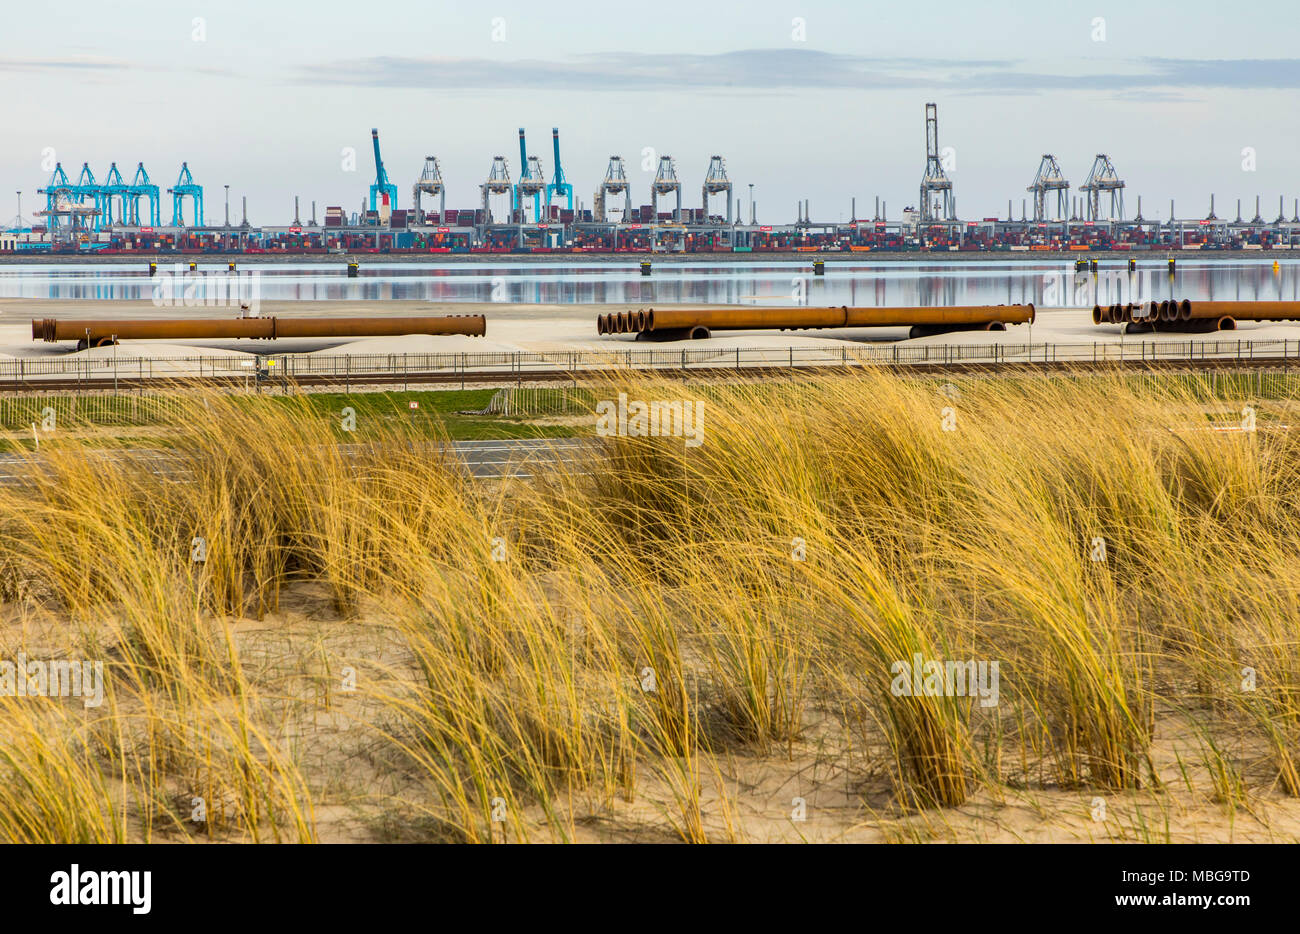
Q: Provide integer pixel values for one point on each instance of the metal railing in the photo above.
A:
(18, 411)
(520, 365)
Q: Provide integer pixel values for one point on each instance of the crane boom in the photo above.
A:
(559, 185)
(382, 186)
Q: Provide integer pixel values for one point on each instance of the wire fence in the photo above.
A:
(538, 402)
(117, 409)
(106, 409)
(345, 368)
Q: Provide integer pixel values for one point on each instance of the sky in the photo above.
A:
(821, 101)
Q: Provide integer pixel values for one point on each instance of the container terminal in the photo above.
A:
(529, 213)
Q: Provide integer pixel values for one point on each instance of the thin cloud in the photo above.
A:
(1153, 96)
(756, 69)
(54, 64)
(791, 69)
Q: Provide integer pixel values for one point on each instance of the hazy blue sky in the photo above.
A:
(264, 96)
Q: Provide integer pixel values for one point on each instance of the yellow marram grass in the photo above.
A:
(650, 631)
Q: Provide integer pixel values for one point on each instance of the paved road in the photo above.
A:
(485, 460)
(519, 457)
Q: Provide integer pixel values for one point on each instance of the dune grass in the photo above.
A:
(616, 643)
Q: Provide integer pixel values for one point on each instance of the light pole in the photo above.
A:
(20, 210)
(751, 203)
(227, 205)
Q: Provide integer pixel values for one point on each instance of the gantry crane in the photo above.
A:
(114, 187)
(935, 181)
(716, 182)
(614, 183)
(429, 183)
(532, 182)
(1050, 178)
(497, 183)
(87, 189)
(186, 188)
(382, 191)
(1103, 177)
(558, 185)
(142, 187)
(666, 183)
(61, 201)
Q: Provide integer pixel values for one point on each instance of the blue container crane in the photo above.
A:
(114, 187)
(185, 188)
(559, 185)
(531, 181)
(58, 193)
(141, 187)
(88, 189)
(382, 185)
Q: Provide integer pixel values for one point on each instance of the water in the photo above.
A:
(1046, 284)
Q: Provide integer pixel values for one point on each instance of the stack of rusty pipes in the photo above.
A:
(1185, 315)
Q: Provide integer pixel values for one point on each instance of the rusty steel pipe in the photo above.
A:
(745, 319)
(675, 334)
(738, 319)
(960, 314)
(1202, 325)
(1245, 311)
(1178, 315)
(926, 330)
(105, 330)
